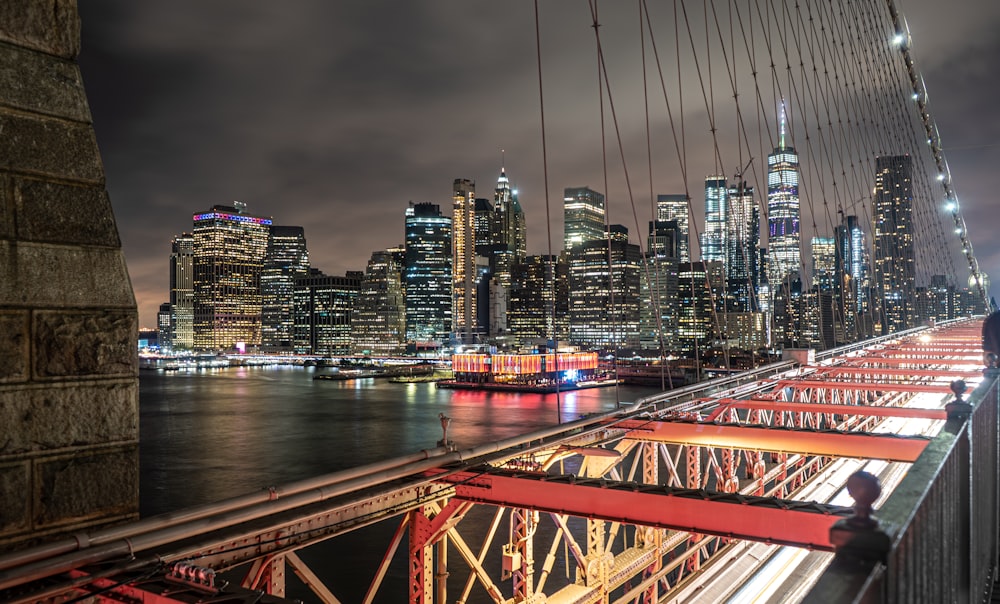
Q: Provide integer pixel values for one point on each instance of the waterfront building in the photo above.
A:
(514, 371)
(539, 300)
(287, 259)
(428, 274)
(583, 216)
(742, 242)
(658, 287)
(229, 250)
(713, 240)
(675, 207)
(604, 298)
(894, 270)
(323, 310)
(463, 239)
(378, 320)
(784, 237)
(181, 336)
(163, 327)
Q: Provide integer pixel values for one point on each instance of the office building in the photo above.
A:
(742, 243)
(378, 322)
(428, 275)
(604, 298)
(675, 207)
(658, 287)
(713, 240)
(894, 270)
(323, 312)
(539, 300)
(181, 334)
(287, 259)
(229, 250)
(583, 216)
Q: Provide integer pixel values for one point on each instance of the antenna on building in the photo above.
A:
(781, 132)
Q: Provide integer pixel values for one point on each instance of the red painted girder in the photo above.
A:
(942, 357)
(909, 361)
(877, 411)
(778, 440)
(942, 373)
(801, 524)
(864, 386)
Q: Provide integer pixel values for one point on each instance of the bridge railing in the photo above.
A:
(938, 531)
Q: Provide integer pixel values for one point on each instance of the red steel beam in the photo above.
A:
(909, 361)
(769, 520)
(932, 373)
(870, 410)
(779, 440)
(865, 386)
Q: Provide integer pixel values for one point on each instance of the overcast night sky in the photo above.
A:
(333, 115)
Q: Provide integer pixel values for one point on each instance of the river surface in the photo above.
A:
(212, 434)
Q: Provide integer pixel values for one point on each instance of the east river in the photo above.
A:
(212, 434)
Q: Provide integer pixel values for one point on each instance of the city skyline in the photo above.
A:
(185, 119)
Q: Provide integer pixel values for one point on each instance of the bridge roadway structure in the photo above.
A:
(727, 490)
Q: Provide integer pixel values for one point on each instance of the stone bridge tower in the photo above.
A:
(69, 428)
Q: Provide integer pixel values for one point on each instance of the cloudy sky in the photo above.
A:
(333, 115)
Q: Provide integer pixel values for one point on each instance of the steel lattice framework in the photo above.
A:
(633, 503)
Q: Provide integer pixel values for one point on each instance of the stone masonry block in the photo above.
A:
(49, 146)
(6, 209)
(57, 416)
(42, 84)
(77, 344)
(39, 275)
(15, 513)
(91, 484)
(52, 26)
(64, 213)
(13, 347)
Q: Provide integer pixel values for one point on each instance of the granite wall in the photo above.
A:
(69, 427)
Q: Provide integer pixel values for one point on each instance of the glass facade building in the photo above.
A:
(428, 274)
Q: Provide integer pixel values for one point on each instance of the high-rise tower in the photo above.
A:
(713, 240)
(784, 237)
(287, 260)
(508, 230)
(675, 207)
(583, 216)
(464, 259)
(181, 293)
(427, 277)
(229, 249)
(894, 269)
(742, 240)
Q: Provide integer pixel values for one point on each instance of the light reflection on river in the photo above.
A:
(213, 434)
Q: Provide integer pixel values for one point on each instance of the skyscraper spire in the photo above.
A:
(781, 132)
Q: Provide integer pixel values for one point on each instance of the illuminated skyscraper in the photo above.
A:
(604, 300)
(538, 300)
(464, 259)
(428, 274)
(324, 307)
(783, 237)
(742, 241)
(824, 259)
(378, 323)
(287, 260)
(894, 269)
(181, 293)
(583, 216)
(229, 250)
(675, 207)
(658, 287)
(508, 230)
(853, 281)
(713, 240)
